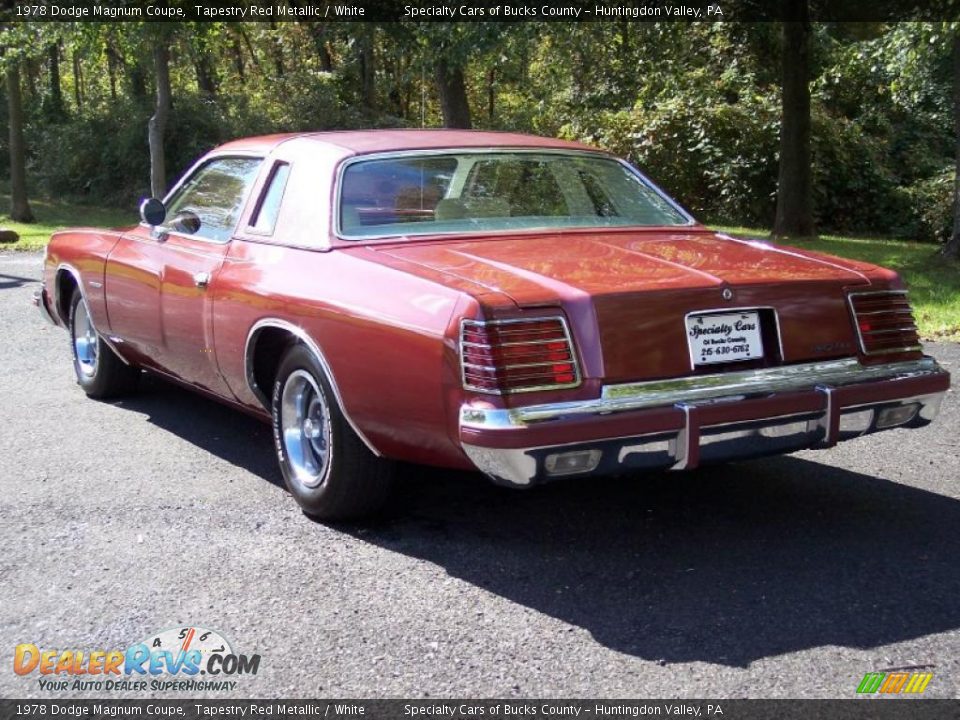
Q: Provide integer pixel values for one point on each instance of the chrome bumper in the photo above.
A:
(40, 300)
(827, 400)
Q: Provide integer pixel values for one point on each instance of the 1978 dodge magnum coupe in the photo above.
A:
(529, 307)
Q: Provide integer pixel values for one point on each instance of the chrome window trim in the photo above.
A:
(435, 152)
(725, 311)
(314, 348)
(464, 322)
(854, 316)
(720, 387)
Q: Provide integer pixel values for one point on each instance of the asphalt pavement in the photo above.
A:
(784, 577)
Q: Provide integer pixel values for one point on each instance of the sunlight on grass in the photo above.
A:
(934, 282)
(52, 216)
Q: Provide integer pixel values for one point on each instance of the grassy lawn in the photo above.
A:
(52, 216)
(934, 283)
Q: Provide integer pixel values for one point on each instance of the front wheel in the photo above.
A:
(325, 465)
(100, 372)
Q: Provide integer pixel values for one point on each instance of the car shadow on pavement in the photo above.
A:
(725, 565)
(229, 434)
(8, 282)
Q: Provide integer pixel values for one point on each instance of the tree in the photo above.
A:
(56, 93)
(453, 95)
(952, 247)
(794, 214)
(19, 205)
(368, 69)
(158, 122)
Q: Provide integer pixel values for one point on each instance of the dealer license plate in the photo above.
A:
(729, 337)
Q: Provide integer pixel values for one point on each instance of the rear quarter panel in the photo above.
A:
(384, 333)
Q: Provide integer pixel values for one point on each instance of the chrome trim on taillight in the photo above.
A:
(567, 337)
(855, 316)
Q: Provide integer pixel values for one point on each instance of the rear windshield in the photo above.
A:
(447, 193)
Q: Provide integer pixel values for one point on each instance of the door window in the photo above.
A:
(209, 203)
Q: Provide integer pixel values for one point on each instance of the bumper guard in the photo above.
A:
(682, 423)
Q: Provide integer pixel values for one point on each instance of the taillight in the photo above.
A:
(508, 356)
(885, 323)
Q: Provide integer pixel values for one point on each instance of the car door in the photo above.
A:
(157, 280)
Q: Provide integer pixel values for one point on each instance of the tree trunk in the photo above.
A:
(794, 217)
(77, 82)
(491, 94)
(626, 71)
(246, 41)
(237, 53)
(318, 35)
(206, 78)
(30, 66)
(368, 70)
(19, 205)
(453, 95)
(276, 50)
(56, 92)
(952, 248)
(326, 59)
(136, 75)
(158, 123)
(113, 60)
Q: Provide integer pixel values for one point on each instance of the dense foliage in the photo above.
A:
(696, 106)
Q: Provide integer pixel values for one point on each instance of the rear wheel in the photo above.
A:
(100, 372)
(325, 465)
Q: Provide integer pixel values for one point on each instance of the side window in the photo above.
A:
(209, 204)
(264, 218)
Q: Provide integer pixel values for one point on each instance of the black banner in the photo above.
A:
(865, 709)
(474, 10)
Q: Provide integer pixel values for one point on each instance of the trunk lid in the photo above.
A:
(633, 289)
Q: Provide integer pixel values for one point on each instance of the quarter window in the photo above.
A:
(264, 219)
(208, 205)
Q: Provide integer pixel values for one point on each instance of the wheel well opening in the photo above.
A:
(66, 286)
(269, 346)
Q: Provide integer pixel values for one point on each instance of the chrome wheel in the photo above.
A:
(85, 341)
(305, 428)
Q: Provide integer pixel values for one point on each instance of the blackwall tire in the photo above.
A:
(326, 467)
(100, 373)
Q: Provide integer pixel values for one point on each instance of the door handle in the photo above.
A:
(201, 280)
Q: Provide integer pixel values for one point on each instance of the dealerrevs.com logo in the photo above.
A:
(185, 659)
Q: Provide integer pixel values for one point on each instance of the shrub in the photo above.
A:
(932, 203)
(716, 158)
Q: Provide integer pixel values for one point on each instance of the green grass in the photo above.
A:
(53, 215)
(933, 281)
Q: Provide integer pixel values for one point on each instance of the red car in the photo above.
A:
(528, 307)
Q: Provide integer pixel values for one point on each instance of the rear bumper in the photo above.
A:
(42, 302)
(680, 424)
